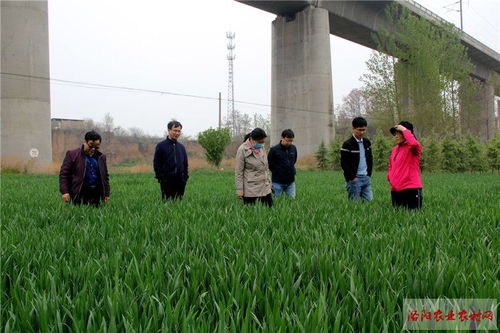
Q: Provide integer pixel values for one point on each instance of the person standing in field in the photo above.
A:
(404, 168)
(84, 178)
(171, 163)
(356, 160)
(252, 171)
(282, 158)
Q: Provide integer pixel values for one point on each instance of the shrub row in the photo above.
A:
(448, 154)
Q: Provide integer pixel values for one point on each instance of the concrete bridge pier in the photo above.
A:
(486, 100)
(25, 102)
(301, 79)
(405, 103)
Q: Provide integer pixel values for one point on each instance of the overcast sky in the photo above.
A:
(180, 47)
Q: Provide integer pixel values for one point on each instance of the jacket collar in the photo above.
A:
(283, 147)
(356, 139)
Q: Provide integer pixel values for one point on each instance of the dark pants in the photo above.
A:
(89, 195)
(172, 188)
(267, 200)
(410, 198)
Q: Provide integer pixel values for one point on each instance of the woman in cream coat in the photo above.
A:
(252, 171)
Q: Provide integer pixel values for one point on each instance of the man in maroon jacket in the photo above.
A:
(84, 174)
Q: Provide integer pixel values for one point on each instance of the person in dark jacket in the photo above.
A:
(171, 163)
(357, 162)
(282, 158)
(83, 178)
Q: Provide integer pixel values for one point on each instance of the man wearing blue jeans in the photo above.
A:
(357, 162)
(281, 159)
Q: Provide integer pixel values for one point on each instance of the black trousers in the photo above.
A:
(89, 195)
(410, 198)
(172, 188)
(267, 200)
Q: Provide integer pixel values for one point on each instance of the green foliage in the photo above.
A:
(475, 154)
(321, 157)
(382, 147)
(214, 141)
(493, 152)
(431, 154)
(453, 154)
(494, 80)
(425, 80)
(209, 264)
(381, 92)
(333, 155)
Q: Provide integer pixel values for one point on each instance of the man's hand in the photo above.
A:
(106, 199)
(66, 197)
(355, 179)
(239, 195)
(400, 128)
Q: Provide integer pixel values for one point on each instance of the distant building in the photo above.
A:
(63, 123)
(66, 134)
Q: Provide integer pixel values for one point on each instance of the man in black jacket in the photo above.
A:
(357, 162)
(281, 159)
(171, 163)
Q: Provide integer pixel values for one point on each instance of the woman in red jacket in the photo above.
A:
(404, 168)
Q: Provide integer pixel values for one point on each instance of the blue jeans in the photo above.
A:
(289, 189)
(361, 188)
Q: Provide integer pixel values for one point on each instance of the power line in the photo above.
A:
(483, 19)
(81, 84)
(451, 6)
(100, 85)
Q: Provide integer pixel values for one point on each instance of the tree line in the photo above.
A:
(448, 154)
(421, 72)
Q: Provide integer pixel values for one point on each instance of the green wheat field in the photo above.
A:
(207, 264)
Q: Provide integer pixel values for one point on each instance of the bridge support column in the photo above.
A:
(486, 99)
(478, 114)
(301, 79)
(25, 102)
(405, 103)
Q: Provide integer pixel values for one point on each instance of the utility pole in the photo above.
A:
(451, 7)
(220, 114)
(230, 86)
(461, 17)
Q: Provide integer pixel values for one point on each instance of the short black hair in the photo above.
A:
(359, 122)
(92, 136)
(256, 134)
(174, 123)
(288, 133)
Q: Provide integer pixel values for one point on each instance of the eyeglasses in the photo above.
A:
(93, 147)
